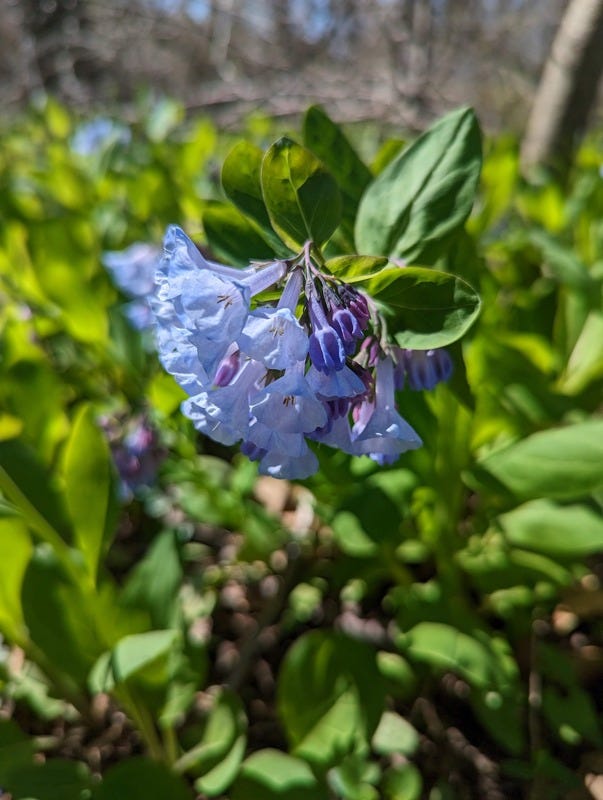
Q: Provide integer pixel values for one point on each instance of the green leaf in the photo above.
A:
(394, 735)
(26, 484)
(571, 531)
(403, 783)
(57, 618)
(242, 184)
(327, 140)
(427, 308)
(15, 551)
(561, 463)
(55, 779)
(302, 198)
(330, 696)
(154, 582)
(233, 237)
(445, 647)
(221, 748)
(271, 774)
(141, 655)
(16, 749)
(355, 268)
(425, 195)
(585, 363)
(573, 715)
(141, 779)
(89, 494)
(561, 261)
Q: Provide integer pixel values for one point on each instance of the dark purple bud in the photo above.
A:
(227, 369)
(346, 325)
(325, 346)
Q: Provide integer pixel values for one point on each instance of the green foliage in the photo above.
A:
(317, 641)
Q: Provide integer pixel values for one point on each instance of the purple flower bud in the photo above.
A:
(228, 367)
(325, 345)
(346, 325)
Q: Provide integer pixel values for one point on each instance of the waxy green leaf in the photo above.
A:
(327, 140)
(425, 195)
(302, 198)
(426, 308)
(242, 184)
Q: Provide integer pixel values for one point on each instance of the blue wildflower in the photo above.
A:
(379, 430)
(316, 366)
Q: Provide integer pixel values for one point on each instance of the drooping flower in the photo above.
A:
(314, 367)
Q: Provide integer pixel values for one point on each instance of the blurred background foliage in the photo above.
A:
(433, 629)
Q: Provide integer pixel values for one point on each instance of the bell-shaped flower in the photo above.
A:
(222, 413)
(342, 383)
(379, 429)
(289, 405)
(283, 465)
(275, 337)
(326, 348)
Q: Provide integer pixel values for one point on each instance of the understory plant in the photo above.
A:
(287, 511)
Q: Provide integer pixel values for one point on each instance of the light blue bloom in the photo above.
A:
(342, 383)
(283, 465)
(133, 271)
(223, 413)
(380, 431)
(275, 337)
(289, 405)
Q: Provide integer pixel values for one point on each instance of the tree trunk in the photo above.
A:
(567, 89)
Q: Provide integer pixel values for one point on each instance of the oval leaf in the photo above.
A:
(428, 308)
(355, 268)
(561, 463)
(541, 525)
(89, 487)
(330, 696)
(270, 774)
(425, 194)
(302, 198)
(327, 140)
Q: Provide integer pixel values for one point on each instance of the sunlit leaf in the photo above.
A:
(427, 308)
(302, 198)
(424, 195)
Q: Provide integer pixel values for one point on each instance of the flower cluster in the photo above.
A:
(316, 366)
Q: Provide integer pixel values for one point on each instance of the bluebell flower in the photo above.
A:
(317, 366)
(380, 431)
